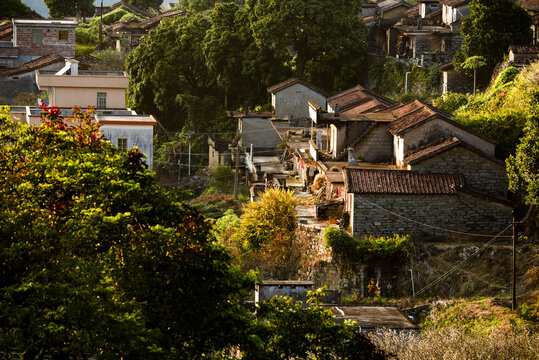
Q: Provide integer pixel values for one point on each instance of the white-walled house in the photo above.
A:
(127, 131)
(291, 98)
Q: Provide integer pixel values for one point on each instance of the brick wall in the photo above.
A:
(376, 145)
(461, 212)
(485, 175)
(50, 44)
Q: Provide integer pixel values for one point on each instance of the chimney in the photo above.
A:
(73, 66)
(352, 161)
(337, 110)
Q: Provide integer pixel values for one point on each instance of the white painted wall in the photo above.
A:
(140, 136)
(293, 102)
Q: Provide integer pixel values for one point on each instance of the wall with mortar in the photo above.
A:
(293, 102)
(486, 175)
(376, 146)
(140, 136)
(50, 43)
(461, 212)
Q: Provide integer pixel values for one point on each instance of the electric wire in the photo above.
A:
(454, 268)
(420, 223)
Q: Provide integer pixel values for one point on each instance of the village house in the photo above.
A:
(433, 34)
(32, 38)
(128, 34)
(104, 91)
(291, 97)
(455, 81)
(409, 156)
(219, 153)
(523, 55)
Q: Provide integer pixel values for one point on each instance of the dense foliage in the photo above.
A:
(146, 4)
(490, 28)
(59, 9)
(98, 259)
(352, 250)
(16, 9)
(500, 111)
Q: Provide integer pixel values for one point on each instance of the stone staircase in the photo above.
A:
(344, 153)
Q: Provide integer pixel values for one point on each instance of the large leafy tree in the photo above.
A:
(64, 8)
(97, 260)
(491, 27)
(16, 9)
(325, 39)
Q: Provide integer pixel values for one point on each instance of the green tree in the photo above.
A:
(146, 4)
(491, 27)
(324, 39)
(203, 5)
(96, 259)
(16, 9)
(65, 8)
(523, 166)
(288, 330)
(474, 63)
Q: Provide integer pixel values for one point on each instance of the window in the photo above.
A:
(36, 37)
(101, 100)
(62, 35)
(122, 144)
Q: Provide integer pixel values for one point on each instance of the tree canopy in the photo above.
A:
(16, 9)
(65, 8)
(491, 27)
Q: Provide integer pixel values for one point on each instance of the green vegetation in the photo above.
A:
(16, 9)
(59, 9)
(474, 63)
(146, 4)
(387, 77)
(490, 28)
(499, 112)
(351, 250)
(88, 33)
(215, 205)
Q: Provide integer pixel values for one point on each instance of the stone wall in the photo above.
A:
(486, 175)
(50, 44)
(376, 146)
(293, 102)
(455, 81)
(462, 212)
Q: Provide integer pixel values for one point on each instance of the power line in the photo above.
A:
(428, 286)
(423, 224)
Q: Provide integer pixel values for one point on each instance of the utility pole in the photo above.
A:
(514, 282)
(236, 175)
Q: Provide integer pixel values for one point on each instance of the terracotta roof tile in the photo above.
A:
(6, 30)
(524, 49)
(33, 65)
(356, 96)
(401, 182)
(412, 12)
(289, 82)
(131, 7)
(432, 150)
(151, 22)
(529, 4)
(454, 3)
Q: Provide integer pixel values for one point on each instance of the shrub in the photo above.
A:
(84, 49)
(450, 102)
(25, 99)
(215, 205)
(352, 250)
(112, 60)
(222, 180)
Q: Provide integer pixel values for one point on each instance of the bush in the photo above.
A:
(112, 60)
(450, 102)
(352, 250)
(222, 181)
(25, 99)
(84, 49)
(215, 205)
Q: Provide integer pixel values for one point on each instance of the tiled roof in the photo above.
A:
(412, 12)
(356, 96)
(287, 83)
(529, 4)
(432, 151)
(446, 66)
(33, 65)
(416, 112)
(524, 49)
(413, 114)
(365, 107)
(434, 14)
(151, 22)
(454, 3)
(401, 182)
(6, 30)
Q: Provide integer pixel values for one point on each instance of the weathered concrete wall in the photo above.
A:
(140, 136)
(439, 129)
(376, 145)
(461, 212)
(293, 102)
(486, 175)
